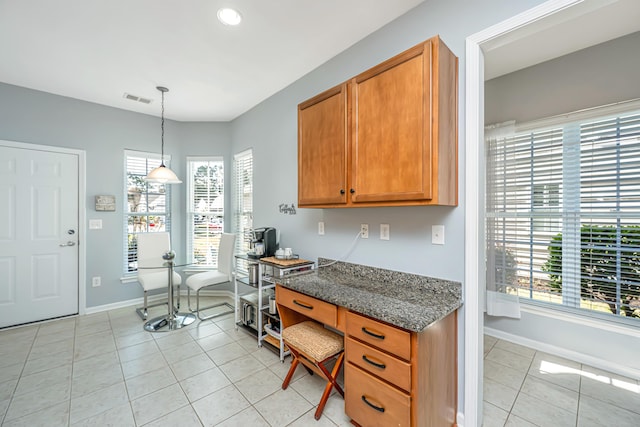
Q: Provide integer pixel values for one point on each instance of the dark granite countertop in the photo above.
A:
(409, 301)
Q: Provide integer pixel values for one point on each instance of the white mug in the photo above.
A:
(288, 252)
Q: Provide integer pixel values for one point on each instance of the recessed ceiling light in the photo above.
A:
(229, 16)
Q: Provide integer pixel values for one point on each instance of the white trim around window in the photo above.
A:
(205, 209)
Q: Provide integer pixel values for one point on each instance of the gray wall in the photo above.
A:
(599, 75)
(104, 133)
(270, 128)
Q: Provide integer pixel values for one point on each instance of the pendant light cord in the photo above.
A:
(162, 134)
(162, 90)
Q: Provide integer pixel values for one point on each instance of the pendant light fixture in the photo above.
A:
(162, 174)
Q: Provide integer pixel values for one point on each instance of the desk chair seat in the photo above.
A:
(314, 346)
(151, 247)
(206, 279)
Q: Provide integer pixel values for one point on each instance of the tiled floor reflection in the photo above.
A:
(523, 387)
(104, 370)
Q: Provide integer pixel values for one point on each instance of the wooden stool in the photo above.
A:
(313, 345)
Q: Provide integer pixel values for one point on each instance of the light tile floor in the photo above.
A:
(105, 370)
(524, 387)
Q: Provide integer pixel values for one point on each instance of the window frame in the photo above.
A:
(152, 160)
(574, 128)
(243, 214)
(212, 238)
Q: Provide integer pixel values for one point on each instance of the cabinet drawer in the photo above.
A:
(387, 367)
(386, 337)
(311, 307)
(373, 403)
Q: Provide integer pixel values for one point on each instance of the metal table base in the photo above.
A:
(165, 323)
(172, 320)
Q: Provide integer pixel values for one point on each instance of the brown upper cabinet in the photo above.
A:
(387, 137)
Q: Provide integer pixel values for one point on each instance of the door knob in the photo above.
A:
(69, 243)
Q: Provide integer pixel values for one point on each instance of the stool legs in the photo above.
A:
(331, 377)
(292, 370)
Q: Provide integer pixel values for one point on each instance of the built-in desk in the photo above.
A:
(400, 339)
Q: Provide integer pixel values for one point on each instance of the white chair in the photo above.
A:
(223, 274)
(151, 247)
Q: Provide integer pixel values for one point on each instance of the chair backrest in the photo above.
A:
(225, 254)
(151, 247)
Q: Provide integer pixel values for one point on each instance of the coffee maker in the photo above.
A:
(263, 242)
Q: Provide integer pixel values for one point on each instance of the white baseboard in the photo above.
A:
(596, 362)
(153, 298)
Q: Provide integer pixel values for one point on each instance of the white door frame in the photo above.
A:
(82, 211)
(474, 269)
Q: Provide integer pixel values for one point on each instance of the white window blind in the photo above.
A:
(205, 209)
(147, 204)
(563, 215)
(243, 203)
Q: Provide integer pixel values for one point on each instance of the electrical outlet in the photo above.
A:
(437, 234)
(321, 228)
(96, 281)
(384, 231)
(364, 231)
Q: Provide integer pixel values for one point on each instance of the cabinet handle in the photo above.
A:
(373, 334)
(342, 191)
(352, 191)
(377, 408)
(371, 362)
(308, 307)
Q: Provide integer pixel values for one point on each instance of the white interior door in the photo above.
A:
(38, 235)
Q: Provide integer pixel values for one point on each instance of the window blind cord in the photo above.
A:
(346, 255)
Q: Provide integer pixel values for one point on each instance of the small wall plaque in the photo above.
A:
(105, 203)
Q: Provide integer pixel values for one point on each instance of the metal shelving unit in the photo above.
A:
(268, 274)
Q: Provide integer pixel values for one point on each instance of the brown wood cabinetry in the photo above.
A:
(400, 378)
(322, 150)
(387, 137)
(310, 307)
(392, 377)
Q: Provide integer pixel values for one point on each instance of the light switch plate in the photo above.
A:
(437, 234)
(384, 231)
(321, 228)
(95, 224)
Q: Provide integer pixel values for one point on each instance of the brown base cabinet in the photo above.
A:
(392, 377)
(387, 137)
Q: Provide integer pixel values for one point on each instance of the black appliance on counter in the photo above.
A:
(263, 242)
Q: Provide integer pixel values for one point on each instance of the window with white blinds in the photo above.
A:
(243, 203)
(205, 209)
(563, 215)
(147, 204)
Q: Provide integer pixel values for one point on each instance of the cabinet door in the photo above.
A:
(391, 145)
(322, 148)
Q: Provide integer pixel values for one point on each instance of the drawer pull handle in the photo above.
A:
(373, 334)
(371, 362)
(377, 408)
(308, 307)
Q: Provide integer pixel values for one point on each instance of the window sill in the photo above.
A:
(129, 279)
(595, 320)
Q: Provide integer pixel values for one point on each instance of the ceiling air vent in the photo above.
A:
(137, 98)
